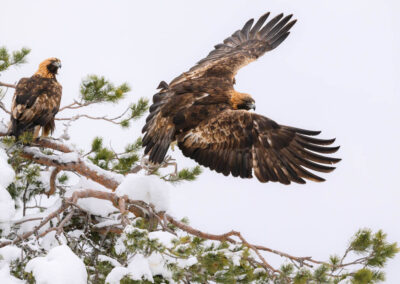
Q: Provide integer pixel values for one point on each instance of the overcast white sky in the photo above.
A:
(337, 72)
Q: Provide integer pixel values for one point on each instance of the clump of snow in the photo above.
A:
(150, 189)
(115, 276)
(183, 263)
(138, 269)
(7, 173)
(107, 223)
(44, 178)
(7, 208)
(7, 204)
(50, 240)
(157, 265)
(65, 158)
(111, 175)
(6, 277)
(75, 233)
(92, 205)
(3, 128)
(164, 238)
(10, 253)
(113, 262)
(72, 157)
(60, 266)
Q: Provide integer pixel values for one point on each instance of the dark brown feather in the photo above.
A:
(272, 152)
(36, 101)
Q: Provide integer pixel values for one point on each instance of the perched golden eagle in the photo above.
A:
(212, 124)
(36, 101)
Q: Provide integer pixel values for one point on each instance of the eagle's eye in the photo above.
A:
(54, 66)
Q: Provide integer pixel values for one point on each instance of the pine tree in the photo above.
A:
(134, 240)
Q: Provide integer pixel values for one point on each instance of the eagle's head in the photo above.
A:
(242, 101)
(49, 67)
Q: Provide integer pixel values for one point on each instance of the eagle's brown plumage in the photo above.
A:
(36, 101)
(212, 124)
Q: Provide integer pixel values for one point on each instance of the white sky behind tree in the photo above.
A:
(337, 72)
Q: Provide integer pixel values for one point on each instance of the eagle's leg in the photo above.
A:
(169, 161)
(36, 131)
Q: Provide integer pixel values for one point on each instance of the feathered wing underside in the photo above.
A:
(159, 130)
(242, 143)
(35, 103)
(241, 48)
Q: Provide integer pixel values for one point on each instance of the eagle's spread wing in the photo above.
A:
(243, 47)
(36, 101)
(237, 142)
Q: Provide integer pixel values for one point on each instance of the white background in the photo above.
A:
(337, 72)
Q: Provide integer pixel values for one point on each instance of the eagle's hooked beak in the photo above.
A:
(57, 64)
(251, 105)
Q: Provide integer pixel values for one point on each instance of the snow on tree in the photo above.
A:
(67, 216)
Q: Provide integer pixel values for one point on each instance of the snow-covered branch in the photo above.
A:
(71, 161)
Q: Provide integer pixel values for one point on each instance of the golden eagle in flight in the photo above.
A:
(36, 101)
(212, 124)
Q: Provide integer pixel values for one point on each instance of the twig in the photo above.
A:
(30, 233)
(53, 181)
(4, 108)
(7, 85)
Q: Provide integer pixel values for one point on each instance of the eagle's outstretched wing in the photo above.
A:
(243, 47)
(237, 142)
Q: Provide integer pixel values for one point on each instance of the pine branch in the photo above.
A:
(15, 58)
(139, 208)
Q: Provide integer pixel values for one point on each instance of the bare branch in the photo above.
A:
(7, 85)
(4, 108)
(76, 105)
(30, 233)
(53, 181)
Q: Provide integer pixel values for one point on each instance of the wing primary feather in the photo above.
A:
(315, 140)
(278, 27)
(259, 24)
(277, 42)
(315, 157)
(264, 31)
(288, 166)
(303, 131)
(246, 28)
(283, 31)
(242, 36)
(319, 149)
(308, 175)
(308, 164)
(282, 178)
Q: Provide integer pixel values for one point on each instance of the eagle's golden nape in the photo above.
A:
(212, 124)
(36, 101)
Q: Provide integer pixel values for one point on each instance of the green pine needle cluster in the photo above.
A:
(8, 59)
(97, 89)
(118, 162)
(186, 174)
(136, 111)
(370, 250)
